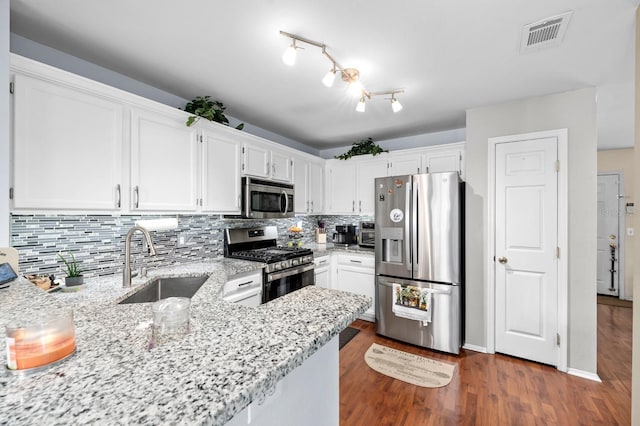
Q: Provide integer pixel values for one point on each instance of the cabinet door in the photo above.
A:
(450, 161)
(300, 185)
(322, 278)
(281, 166)
(341, 188)
(404, 164)
(368, 171)
(163, 162)
(316, 188)
(257, 161)
(221, 162)
(67, 149)
(359, 281)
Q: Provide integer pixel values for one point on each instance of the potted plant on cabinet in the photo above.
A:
(74, 274)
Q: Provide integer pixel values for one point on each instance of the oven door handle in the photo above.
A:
(290, 271)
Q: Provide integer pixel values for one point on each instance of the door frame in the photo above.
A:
(561, 136)
(621, 230)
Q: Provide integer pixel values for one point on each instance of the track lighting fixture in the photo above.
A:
(351, 76)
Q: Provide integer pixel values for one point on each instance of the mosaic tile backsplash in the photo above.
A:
(97, 241)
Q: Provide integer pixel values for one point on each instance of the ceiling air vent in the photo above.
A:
(545, 33)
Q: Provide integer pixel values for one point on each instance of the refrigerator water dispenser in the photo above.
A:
(392, 244)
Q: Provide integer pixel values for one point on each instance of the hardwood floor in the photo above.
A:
(492, 389)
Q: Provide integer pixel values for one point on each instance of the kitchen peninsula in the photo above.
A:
(229, 368)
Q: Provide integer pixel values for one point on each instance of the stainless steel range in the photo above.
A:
(287, 269)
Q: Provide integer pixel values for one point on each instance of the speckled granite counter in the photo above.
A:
(233, 355)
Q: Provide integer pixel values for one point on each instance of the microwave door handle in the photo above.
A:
(286, 202)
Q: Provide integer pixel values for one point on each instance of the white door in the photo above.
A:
(368, 171)
(164, 168)
(221, 159)
(341, 187)
(300, 185)
(608, 243)
(526, 240)
(316, 188)
(67, 148)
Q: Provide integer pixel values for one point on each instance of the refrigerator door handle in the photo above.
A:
(414, 223)
(407, 224)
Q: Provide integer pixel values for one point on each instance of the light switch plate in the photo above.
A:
(630, 232)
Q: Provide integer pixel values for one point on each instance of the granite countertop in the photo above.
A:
(325, 249)
(232, 356)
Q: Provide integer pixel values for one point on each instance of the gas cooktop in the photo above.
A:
(270, 255)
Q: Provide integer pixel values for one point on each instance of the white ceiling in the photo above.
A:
(448, 56)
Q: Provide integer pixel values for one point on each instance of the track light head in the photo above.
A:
(329, 77)
(395, 104)
(289, 55)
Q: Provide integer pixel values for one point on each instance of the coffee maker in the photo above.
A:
(346, 234)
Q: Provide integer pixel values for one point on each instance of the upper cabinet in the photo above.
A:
(308, 181)
(350, 184)
(260, 160)
(67, 148)
(221, 163)
(164, 167)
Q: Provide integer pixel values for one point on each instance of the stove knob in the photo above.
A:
(277, 266)
(295, 262)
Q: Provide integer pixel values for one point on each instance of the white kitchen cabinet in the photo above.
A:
(356, 274)
(404, 164)
(350, 185)
(323, 271)
(164, 166)
(221, 173)
(367, 172)
(340, 187)
(67, 147)
(264, 162)
(308, 183)
(445, 161)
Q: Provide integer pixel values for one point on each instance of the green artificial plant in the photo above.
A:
(206, 108)
(365, 146)
(72, 266)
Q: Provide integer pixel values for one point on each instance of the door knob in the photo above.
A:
(502, 259)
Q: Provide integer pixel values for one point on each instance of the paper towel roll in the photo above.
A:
(164, 224)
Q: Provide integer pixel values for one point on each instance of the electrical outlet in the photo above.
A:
(182, 240)
(630, 232)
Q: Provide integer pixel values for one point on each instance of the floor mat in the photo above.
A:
(346, 335)
(413, 369)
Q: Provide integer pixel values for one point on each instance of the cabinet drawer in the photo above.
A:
(322, 262)
(365, 261)
(240, 282)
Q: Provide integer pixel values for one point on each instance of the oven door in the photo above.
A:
(267, 200)
(279, 283)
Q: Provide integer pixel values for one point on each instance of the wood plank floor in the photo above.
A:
(492, 389)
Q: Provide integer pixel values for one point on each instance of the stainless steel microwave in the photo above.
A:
(263, 199)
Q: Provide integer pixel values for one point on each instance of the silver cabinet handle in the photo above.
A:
(268, 167)
(244, 284)
(307, 205)
(353, 206)
(311, 206)
(118, 196)
(273, 168)
(355, 261)
(136, 196)
(360, 206)
(322, 262)
(502, 260)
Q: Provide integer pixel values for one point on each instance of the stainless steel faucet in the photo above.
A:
(126, 272)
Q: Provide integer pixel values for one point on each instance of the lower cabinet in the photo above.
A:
(323, 271)
(355, 273)
(307, 395)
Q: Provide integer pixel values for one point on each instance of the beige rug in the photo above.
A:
(414, 369)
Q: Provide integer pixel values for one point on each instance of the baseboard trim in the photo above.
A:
(584, 374)
(474, 348)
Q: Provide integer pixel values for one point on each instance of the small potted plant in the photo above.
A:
(74, 274)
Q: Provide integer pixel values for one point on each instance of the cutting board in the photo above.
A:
(9, 255)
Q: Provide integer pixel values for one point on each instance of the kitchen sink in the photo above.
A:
(161, 288)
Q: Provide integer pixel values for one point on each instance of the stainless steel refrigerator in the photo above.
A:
(419, 259)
